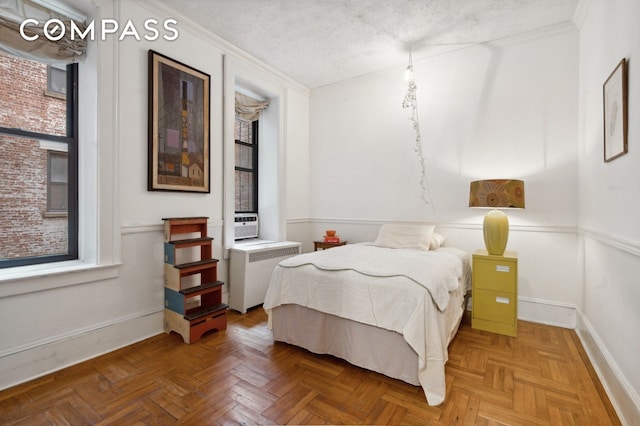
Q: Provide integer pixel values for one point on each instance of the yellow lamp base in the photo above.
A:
(496, 232)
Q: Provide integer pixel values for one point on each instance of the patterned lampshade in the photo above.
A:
(497, 193)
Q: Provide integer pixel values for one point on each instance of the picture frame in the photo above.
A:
(178, 128)
(615, 109)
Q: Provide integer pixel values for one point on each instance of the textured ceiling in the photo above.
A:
(319, 42)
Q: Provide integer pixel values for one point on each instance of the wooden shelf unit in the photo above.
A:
(191, 309)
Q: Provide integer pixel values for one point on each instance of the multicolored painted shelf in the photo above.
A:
(191, 309)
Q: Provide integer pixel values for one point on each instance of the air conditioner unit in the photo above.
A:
(246, 225)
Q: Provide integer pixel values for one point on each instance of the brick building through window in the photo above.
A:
(246, 166)
(33, 171)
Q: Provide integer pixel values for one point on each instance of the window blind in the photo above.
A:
(14, 12)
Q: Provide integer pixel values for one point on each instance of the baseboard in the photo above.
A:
(19, 365)
(547, 312)
(624, 399)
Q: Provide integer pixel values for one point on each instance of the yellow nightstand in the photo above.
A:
(495, 292)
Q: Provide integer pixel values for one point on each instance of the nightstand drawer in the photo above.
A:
(494, 306)
(498, 275)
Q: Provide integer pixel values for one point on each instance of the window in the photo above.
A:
(246, 166)
(56, 81)
(39, 167)
(57, 182)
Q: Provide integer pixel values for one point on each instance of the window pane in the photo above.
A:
(246, 165)
(36, 178)
(243, 131)
(57, 80)
(25, 228)
(244, 156)
(244, 191)
(58, 199)
(57, 185)
(58, 167)
(23, 103)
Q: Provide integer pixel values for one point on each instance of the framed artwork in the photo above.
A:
(615, 112)
(178, 126)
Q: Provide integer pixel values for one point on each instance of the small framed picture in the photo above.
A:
(615, 112)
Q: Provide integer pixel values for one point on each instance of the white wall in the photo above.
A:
(501, 110)
(609, 206)
(116, 296)
(298, 194)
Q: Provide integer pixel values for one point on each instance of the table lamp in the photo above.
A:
(496, 194)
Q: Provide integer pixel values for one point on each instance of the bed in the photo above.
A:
(391, 306)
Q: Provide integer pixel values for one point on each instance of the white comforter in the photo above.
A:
(395, 289)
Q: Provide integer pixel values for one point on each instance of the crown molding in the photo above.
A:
(581, 12)
(157, 7)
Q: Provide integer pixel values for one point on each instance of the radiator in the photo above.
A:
(251, 265)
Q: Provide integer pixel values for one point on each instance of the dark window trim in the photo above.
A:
(35, 135)
(72, 151)
(254, 169)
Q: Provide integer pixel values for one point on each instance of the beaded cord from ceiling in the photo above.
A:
(410, 101)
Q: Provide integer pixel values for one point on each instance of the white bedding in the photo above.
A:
(386, 288)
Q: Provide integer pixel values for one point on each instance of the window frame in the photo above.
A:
(71, 140)
(254, 162)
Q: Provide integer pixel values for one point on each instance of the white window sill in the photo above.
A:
(31, 279)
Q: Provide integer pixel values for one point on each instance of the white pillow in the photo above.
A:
(393, 235)
(436, 241)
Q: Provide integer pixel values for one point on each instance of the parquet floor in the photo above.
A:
(240, 377)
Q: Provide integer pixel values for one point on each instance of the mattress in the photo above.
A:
(313, 308)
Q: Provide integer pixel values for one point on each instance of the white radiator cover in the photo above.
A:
(251, 265)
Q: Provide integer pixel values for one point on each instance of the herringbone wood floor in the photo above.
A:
(239, 376)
